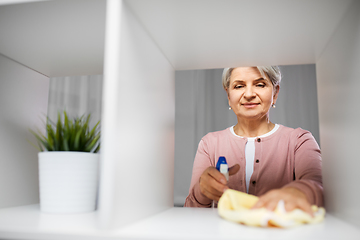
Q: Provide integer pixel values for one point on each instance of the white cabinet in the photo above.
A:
(138, 45)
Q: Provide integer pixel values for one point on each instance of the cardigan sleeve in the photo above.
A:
(202, 161)
(307, 168)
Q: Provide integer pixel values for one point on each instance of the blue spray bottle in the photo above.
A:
(223, 167)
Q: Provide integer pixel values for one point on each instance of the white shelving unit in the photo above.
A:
(146, 41)
(177, 223)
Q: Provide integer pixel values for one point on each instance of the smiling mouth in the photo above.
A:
(250, 105)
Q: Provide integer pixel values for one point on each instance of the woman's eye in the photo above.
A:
(260, 85)
(238, 86)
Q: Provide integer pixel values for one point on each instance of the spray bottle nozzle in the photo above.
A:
(223, 167)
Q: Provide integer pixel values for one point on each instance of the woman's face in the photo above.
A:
(250, 95)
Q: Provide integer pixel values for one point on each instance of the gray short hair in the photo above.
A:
(271, 72)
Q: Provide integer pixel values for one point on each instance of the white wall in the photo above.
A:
(138, 123)
(23, 103)
(338, 75)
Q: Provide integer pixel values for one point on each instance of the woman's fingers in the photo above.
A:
(212, 183)
(267, 202)
(212, 188)
(259, 204)
(297, 200)
(234, 169)
(215, 174)
(300, 204)
(292, 197)
(271, 205)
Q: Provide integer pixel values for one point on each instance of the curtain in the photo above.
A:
(78, 95)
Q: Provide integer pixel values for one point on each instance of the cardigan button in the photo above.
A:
(257, 161)
(253, 182)
(259, 140)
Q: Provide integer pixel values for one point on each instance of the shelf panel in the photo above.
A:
(27, 222)
(224, 33)
(54, 37)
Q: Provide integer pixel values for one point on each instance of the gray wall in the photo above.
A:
(201, 106)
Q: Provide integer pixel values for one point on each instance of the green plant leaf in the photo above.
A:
(51, 139)
(77, 140)
(93, 143)
(40, 140)
(65, 144)
(97, 148)
(69, 134)
(93, 130)
(58, 134)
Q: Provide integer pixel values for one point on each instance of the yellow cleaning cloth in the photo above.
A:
(236, 206)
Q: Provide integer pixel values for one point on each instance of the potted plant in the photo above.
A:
(68, 165)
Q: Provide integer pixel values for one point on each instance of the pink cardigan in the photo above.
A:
(288, 157)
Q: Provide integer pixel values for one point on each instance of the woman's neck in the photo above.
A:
(253, 128)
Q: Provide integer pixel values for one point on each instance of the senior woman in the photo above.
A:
(268, 160)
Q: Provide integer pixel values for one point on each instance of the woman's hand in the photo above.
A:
(213, 183)
(293, 198)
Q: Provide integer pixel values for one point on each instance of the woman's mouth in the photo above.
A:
(250, 105)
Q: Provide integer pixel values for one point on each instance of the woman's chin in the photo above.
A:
(254, 116)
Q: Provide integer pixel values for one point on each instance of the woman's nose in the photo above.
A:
(249, 92)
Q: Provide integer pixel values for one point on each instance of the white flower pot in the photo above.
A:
(68, 181)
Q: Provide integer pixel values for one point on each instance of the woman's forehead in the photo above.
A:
(245, 73)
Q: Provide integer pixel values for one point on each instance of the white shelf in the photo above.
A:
(146, 41)
(27, 222)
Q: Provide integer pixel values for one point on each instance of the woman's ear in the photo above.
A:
(228, 96)
(276, 93)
